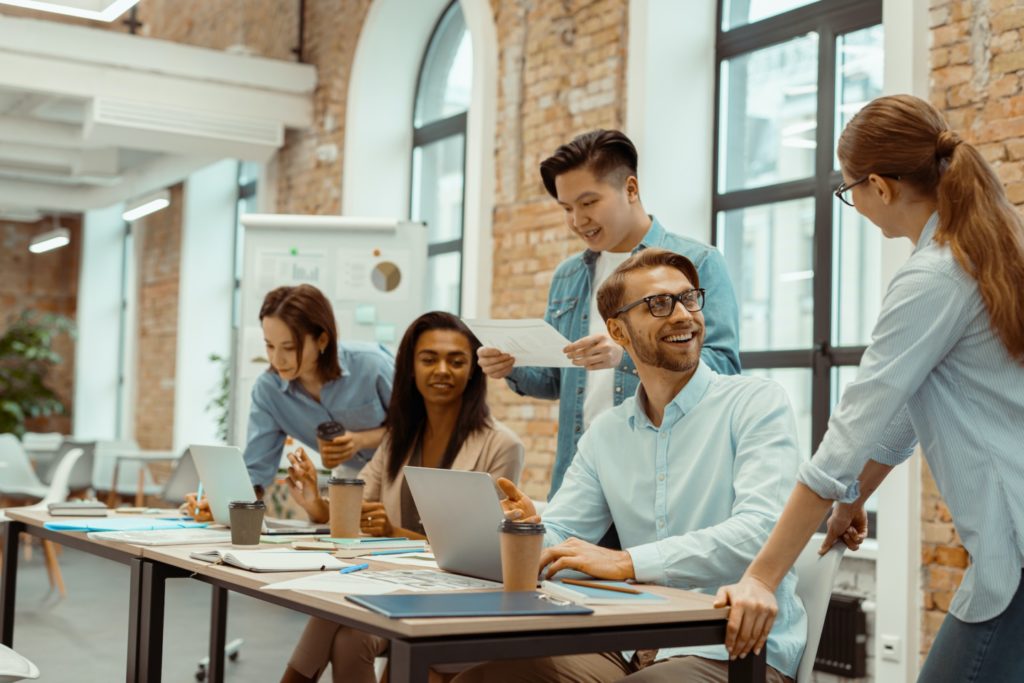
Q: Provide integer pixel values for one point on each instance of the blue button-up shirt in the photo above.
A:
(936, 371)
(569, 312)
(358, 400)
(694, 500)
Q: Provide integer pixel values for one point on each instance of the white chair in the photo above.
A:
(14, 667)
(815, 576)
(128, 471)
(17, 478)
(57, 492)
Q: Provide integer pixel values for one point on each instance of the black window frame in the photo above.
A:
(830, 19)
(431, 133)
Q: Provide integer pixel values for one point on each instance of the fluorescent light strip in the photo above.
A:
(113, 11)
(55, 242)
(146, 209)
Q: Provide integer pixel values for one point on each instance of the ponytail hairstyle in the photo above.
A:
(904, 136)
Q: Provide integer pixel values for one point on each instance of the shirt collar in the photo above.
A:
(927, 233)
(683, 403)
(654, 238)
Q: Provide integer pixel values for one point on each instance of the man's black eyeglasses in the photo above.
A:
(662, 305)
(843, 191)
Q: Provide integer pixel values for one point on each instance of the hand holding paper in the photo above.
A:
(529, 342)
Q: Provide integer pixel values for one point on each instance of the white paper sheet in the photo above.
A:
(416, 560)
(333, 582)
(532, 341)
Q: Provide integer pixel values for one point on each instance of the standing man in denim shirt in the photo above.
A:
(594, 180)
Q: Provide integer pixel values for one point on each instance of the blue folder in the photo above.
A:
(483, 604)
(122, 524)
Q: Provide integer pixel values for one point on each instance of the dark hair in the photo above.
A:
(606, 153)
(905, 136)
(407, 414)
(306, 311)
(610, 294)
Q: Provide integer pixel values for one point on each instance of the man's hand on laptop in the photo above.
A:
(495, 364)
(302, 482)
(517, 505)
(601, 563)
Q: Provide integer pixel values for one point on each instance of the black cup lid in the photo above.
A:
(248, 504)
(509, 526)
(345, 482)
(329, 429)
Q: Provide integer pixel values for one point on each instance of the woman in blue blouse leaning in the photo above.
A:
(314, 378)
(945, 367)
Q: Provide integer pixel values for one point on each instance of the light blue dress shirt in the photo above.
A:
(358, 400)
(936, 371)
(693, 501)
(568, 312)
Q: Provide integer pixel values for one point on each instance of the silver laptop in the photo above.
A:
(224, 476)
(460, 512)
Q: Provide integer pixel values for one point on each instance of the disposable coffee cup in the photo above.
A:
(326, 432)
(520, 554)
(345, 498)
(246, 521)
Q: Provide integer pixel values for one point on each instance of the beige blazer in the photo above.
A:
(495, 450)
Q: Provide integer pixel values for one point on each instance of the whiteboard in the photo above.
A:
(373, 270)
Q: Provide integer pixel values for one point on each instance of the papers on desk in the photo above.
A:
(382, 582)
(587, 595)
(270, 560)
(165, 536)
(333, 582)
(122, 524)
(532, 341)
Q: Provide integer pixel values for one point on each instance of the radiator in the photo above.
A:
(843, 648)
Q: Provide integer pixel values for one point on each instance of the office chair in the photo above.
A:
(14, 667)
(815, 576)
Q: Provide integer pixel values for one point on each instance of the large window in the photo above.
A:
(806, 268)
(439, 155)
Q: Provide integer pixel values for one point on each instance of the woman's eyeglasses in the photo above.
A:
(843, 193)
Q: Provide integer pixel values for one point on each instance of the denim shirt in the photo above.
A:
(358, 400)
(568, 312)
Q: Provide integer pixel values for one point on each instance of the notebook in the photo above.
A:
(165, 537)
(484, 604)
(78, 508)
(270, 560)
(356, 547)
(585, 595)
(122, 524)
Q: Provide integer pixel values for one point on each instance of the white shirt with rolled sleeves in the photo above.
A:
(694, 500)
(936, 371)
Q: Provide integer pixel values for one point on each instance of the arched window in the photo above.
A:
(439, 155)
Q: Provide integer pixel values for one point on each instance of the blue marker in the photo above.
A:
(353, 568)
(199, 497)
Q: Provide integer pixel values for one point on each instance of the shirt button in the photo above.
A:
(579, 390)
(664, 435)
(661, 477)
(661, 523)
(577, 429)
(618, 390)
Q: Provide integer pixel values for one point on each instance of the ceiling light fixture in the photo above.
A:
(49, 240)
(147, 205)
(97, 10)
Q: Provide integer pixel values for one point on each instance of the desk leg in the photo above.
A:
(752, 668)
(134, 619)
(404, 664)
(151, 622)
(218, 634)
(8, 581)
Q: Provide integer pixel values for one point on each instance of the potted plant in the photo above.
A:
(26, 357)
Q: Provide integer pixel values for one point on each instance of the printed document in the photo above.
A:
(532, 341)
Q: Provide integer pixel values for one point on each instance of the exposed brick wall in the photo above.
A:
(48, 283)
(561, 72)
(977, 60)
(159, 266)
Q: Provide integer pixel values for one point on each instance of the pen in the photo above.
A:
(353, 568)
(199, 496)
(601, 586)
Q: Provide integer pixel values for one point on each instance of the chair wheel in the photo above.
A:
(201, 673)
(233, 656)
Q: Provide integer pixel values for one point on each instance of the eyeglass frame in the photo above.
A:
(843, 187)
(676, 299)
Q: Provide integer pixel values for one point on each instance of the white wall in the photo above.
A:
(98, 320)
(204, 297)
(670, 109)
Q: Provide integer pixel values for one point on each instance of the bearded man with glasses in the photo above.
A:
(693, 471)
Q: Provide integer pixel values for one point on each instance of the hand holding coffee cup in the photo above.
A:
(334, 443)
(521, 545)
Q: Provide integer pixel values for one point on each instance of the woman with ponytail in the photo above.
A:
(946, 368)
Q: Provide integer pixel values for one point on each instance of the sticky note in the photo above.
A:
(385, 334)
(366, 314)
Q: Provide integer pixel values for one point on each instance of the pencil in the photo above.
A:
(602, 586)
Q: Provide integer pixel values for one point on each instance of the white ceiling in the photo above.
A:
(90, 118)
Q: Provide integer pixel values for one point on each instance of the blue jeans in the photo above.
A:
(986, 651)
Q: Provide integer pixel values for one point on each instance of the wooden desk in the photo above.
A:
(416, 644)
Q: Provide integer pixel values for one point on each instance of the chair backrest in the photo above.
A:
(127, 471)
(15, 469)
(59, 490)
(815, 576)
(14, 667)
(41, 441)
